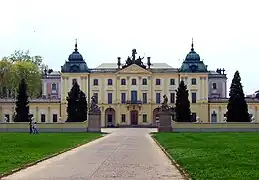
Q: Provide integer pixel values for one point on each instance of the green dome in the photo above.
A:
(192, 63)
(75, 63)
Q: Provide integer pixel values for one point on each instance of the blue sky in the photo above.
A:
(225, 32)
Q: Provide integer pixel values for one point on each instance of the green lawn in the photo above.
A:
(18, 149)
(214, 155)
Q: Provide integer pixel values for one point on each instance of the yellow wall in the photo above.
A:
(202, 108)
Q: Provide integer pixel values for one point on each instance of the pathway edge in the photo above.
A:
(174, 163)
(48, 157)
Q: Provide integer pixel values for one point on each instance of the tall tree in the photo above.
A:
(22, 65)
(237, 106)
(77, 104)
(22, 103)
(182, 105)
(5, 68)
(30, 73)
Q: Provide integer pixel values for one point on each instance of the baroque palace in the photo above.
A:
(129, 93)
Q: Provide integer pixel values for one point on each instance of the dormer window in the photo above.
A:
(95, 82)
(109, 82)
(123, 81)
(214, 86)
(54, 88)
(172, 82)
(144, 81)
(158, 82)
(193, 81)
(133, 82)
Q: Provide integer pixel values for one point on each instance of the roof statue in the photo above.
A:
(93, 106)
(132, 60)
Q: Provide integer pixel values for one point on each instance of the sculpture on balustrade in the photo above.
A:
(132, 60)
(93, 105)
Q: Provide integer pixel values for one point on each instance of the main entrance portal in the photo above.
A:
(134, 117)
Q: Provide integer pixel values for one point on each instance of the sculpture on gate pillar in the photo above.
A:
(93, 106)
(165, 107)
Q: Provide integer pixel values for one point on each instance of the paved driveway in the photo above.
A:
(125, 154)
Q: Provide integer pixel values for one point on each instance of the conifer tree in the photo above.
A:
(22, 103)
(237, 109)
(77, 104)
(182, 105)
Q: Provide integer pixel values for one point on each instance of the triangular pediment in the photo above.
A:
(134, 69)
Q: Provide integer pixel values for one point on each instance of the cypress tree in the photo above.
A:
(22, 103)
(182, 105)
(237, 109)
(77, 105)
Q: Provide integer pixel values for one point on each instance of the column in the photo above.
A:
(103, 90)
(117, 90)
(49, 115)
(37, 115)
(219, 115)
(1, 113)
(205, 89)
(150, 90)
(139, 88)
(45, 88)
(255, 113)
(201, 88)
(128, 91)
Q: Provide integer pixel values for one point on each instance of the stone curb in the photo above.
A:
(45, 158)
(183, 172)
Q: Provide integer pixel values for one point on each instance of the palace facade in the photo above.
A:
(129, 93)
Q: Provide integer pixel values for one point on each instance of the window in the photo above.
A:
(43, 118)
(95, 82)
(109, 98)
(144, 118)
(133, 82)
(123, 81)
(172, 97)
(172, 82)
(158, 82)
(55, 118)
(144, 98)
(123, 118)
(96, 97)
(53, 88)
(144, 81)
(194, 97)
(158, 98)
(214, 86)
(109, 82)
(123, 98)
(134, 96)
(193, 81)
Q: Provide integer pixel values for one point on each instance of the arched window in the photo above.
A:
(123, 81)
(133, 82)
(214, 86)
(193, 81)
(144, 81)
(109, 81)
(95, 82)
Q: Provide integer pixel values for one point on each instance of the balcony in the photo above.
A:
(133, 102)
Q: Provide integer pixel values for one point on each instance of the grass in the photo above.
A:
(214, 155)
(18, 149)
